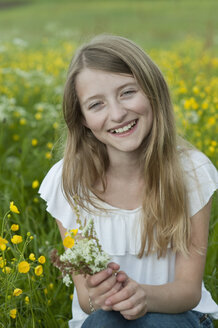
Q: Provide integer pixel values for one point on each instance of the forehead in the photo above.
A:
(90, 81)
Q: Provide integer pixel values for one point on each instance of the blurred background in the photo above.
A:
(37, 41)
(157, 23)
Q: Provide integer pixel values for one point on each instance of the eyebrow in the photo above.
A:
(118, 89)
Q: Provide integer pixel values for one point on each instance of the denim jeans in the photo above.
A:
(112, 319)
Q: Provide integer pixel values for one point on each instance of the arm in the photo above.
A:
(184, 293)
(98, 287)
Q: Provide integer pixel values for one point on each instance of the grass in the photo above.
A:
(36, 44)
(151, 23)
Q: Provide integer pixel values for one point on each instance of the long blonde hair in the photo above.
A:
(165, 218)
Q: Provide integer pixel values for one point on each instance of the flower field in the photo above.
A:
(32, 136)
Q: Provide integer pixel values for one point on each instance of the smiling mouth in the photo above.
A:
(125, 128)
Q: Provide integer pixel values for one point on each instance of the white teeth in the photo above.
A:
(125, 128)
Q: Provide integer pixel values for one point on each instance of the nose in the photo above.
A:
(117, 111)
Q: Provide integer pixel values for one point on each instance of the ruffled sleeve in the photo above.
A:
(201, 179)
(51, 191)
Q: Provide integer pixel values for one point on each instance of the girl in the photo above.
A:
(149, 194)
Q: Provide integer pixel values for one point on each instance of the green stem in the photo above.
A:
(3, 222)
(31, 304)
(21, 325)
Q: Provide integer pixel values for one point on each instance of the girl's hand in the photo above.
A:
(130, 301)
(102, 285)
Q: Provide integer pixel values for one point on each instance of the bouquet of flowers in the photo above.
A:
(84, 254)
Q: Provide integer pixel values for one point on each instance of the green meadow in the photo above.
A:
(37, 41)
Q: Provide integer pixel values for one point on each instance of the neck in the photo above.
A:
(125, 166)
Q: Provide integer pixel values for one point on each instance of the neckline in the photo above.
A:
(114, 208)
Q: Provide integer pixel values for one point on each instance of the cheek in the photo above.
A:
(143, 106)
(93, 122)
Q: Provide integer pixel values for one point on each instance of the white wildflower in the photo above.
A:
(67, 281)
(85, 257)
(20, 42)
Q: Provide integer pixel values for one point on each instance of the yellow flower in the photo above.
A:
(41, 259)
(45, 291)
(51, 285)
(22, 121)
(68, 242)
(195, 90)
(6, 270)
(32, 257)
(211, 121)
(55, 125)
(3, 243)
(2, 262)
(13, 313)
(35, 184)
(38, 270)
(38, 116)
(15, 227)
(187, 104)
(49, 145)
(205, 105)
(17, 292)
(71, 297)
(212, 149)
(74, 231)
(183, 90)
(27, 300)
(16, 137)
(13, 208)
(16, 239)
(48, 155)
(23, 267)
(34, 142)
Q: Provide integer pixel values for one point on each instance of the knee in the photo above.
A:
(104, 319)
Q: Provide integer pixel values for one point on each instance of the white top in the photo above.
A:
(117, 229)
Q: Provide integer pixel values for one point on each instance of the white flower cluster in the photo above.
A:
(67, 280)
(86, 256)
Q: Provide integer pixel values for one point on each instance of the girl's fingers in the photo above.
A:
(120, 296)
(134, 313)
(122, 276)
(125, 305)
(114, 266)
(100, 299)
(106, 286)
(99, 277)
(96, 279)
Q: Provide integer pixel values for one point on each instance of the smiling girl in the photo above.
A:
(148, 192)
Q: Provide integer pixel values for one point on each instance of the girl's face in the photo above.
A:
(115, 109)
